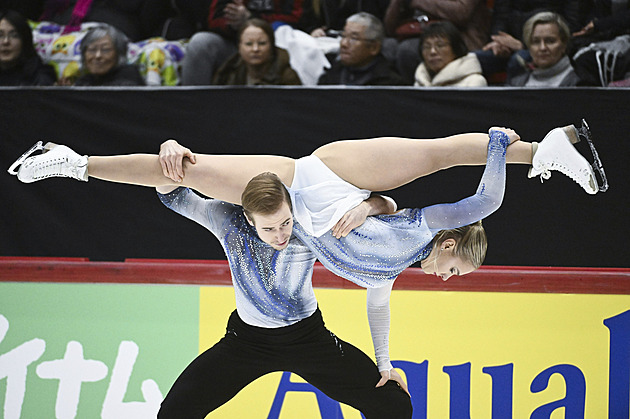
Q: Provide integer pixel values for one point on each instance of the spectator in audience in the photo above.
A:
(104, 60)
(206, 51)
(546, 34)
(471, 17)
(360, 61)
(610, 19)
(599, 52)
(505, 50)
(258, 60)
(333, 15)
(445, 59)
(19, 63)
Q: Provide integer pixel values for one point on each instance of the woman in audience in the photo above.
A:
(546, 35)
(446, 60)
(104, 60)
(258, 61)
(19, 63)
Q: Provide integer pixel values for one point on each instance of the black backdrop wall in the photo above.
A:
(550, 224)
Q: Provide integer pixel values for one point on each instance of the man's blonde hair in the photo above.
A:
(264, 194)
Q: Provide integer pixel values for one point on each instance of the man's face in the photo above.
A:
(274, 229)
(355, 50)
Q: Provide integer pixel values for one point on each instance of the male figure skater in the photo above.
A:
(277, 325)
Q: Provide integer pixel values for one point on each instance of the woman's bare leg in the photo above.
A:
(376, 164)
(219, 176)
(380, 164)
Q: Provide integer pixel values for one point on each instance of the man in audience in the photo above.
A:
(360, 61)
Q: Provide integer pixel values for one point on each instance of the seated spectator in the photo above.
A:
(333, 15)
(600, 51)
(546, 35)
(471, 17)
(505, 50)
(445, 59)
(104, 60)
(206, 51)
(258, 61)
(610, 20)
(19, 63)
(360, 62)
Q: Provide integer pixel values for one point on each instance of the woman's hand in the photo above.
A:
(512, 135)
(172, 156)
(351, 219)
(392, 375)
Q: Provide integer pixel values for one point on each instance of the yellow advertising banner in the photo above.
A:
(464, 354)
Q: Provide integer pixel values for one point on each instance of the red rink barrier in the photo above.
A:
(216, 272)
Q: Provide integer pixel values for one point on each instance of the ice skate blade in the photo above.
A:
(598, 167)
(38, 146)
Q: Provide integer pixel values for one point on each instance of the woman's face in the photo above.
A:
(546, 46)
(443, 263)
(10, 43)
(437, 52)
(100, 56)
(255, 46)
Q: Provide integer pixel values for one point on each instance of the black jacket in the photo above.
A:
(32, 73)
(377, 73)
(124, 75)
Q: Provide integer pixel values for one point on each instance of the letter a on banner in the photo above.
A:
(329, 408)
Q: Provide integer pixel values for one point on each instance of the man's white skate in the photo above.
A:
(55, 161)
(556, 152)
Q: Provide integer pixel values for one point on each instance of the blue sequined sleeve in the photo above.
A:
(484, 202)
(210, 213)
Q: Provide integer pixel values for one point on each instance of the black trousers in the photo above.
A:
(307, 348)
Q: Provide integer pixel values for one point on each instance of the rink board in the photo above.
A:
(113, 350)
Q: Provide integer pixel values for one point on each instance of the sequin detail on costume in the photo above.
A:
(272, 288)
(379, 250)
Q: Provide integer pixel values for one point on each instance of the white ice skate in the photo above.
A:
(55, 161)
(556, 152)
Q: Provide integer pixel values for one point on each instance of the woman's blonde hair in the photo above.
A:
(542, 18)
(472, 242)
(264, 194)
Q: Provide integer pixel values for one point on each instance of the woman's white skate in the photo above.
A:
(55, 161)
(556, 152)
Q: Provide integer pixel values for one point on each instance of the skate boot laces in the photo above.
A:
(557, 152)
(55, 161)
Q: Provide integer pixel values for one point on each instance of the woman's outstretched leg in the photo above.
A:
(219, 176)
(380, 164)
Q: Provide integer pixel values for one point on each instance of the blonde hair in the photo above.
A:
(472, 242)
(542, 18)
(264, 194)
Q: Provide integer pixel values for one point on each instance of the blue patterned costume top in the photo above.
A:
(379, 250)
(272, 288)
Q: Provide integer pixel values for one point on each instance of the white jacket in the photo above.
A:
(463, 72)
